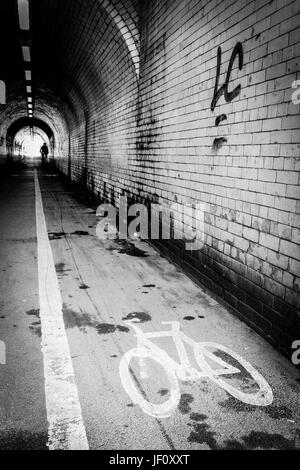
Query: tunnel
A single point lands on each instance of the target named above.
(168, 200)
(83, 71)
(22, 133)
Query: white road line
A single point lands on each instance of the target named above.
(66, 428)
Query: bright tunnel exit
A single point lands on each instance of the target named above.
(31, 146)
(28, 142)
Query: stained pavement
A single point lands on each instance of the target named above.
(104, 284)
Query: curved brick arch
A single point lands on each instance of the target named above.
(125, 16)
(19, 124)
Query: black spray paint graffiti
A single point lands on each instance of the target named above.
(223, 90)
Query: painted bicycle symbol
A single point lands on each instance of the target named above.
(211, 365)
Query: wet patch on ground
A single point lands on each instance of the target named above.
(60, 235)
(83, 320)
(107, 328)
(126, 248)
(81, 233)
(203, 434)
(184, 404)
(84, 287)
(198, 417)
(23, 440)
(36, 329)
(33, 313)
(232, 444)
(80, 320)
(56, 235)
(138, 317)
(265, 440)
(278, 412)
(61, 270)
(232, 404)
(163, 392)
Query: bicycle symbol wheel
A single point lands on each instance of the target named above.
(224, 372)
(264, 395)
(138, 396)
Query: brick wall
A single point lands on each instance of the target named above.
(172, 137)
(102, 125)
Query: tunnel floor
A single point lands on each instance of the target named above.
(129, 391)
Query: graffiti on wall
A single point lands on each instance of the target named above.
(223, 90)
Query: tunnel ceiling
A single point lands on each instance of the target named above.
(11, 68)
(73, 43)
(26, 122)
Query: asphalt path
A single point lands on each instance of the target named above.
(80, 372)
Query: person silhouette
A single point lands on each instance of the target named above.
(44, 152)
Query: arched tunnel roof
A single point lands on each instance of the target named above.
(16, 126)
(82, 53)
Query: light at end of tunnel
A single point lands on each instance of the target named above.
(31, 142)
(26, 53)
(23, 8)
(29, 89)
(28, 75)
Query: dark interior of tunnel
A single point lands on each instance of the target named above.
(69, 50)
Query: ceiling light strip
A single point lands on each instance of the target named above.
(24, 16)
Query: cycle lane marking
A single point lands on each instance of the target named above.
(262, 398)
(66, 430)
